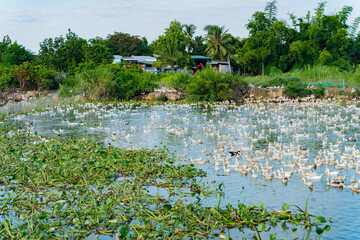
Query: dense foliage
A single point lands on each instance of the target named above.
(316, 48)
(318, 39)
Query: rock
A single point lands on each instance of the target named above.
(55, 97)
(79, 98)
(32, 94)
(173, 96)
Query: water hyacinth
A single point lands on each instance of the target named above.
(76, 188)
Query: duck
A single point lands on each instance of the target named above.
(235, 153)
(353, 180)
(254, 175)
(285, 180)
(226, 170)
(351, 140)
(313, 176)
(334, 183)
(309, 184)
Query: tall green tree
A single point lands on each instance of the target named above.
(268, 42)
(4, 44)
(66, 54)
(189, 30)
(16, 54)
(125, 44)
(200, 47)
(217, 42)
(169, 52)
(97, 52)
(63, 54)
(171, 47)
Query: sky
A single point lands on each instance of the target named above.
(29, 22)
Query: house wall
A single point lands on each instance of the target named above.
(224, 68)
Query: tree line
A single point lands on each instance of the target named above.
(273, 45)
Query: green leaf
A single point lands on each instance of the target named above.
(241, 206)
(321, 219)
(124, 231)
(273, 219)
(319, 230)
(167, 207)
(285, 207)
(261, 227)
(263, 213)
(41, 216)
(272, 236)
(327, 228)
(294, 230)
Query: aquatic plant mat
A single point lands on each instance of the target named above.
(61, 188)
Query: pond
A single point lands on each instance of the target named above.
(300, 139)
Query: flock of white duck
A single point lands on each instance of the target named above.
(315, 141)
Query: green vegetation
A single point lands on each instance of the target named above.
(56, 188)
(316, 48)
(209, 85)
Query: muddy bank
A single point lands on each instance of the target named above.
(276, 94)
(9, 100)
(18, 101)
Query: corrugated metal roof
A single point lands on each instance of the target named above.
(197, 57)
(144, 59)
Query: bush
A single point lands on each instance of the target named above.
(279, 81)
(97, 83)
(162, 98)
(274, 71)
(296, 89)
(209, 85)
(47, 78)
(69, 86)
(116, 81)
(178, 81)
(7, 78)
(319, 91)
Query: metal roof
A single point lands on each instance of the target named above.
(144, 59)
(197, 57)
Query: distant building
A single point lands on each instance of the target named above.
(145, 62)
(221, 66)
(200, 62)
(117, 59)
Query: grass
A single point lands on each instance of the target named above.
(314, 74)
(56, 188)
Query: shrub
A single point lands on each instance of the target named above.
(114, 80)
(97, 83)
(69, 86)
(319, 91)
(162, 98)
(279, 81)
(274, 71)
(209, 85)
(296, 89)
(46, 78)
(7, 78)
(180, 81)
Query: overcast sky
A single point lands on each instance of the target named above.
(31, 21)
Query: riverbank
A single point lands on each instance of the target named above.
(269, 94)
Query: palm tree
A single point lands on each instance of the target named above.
(189, 30)
(218, 42)
(169, 52)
